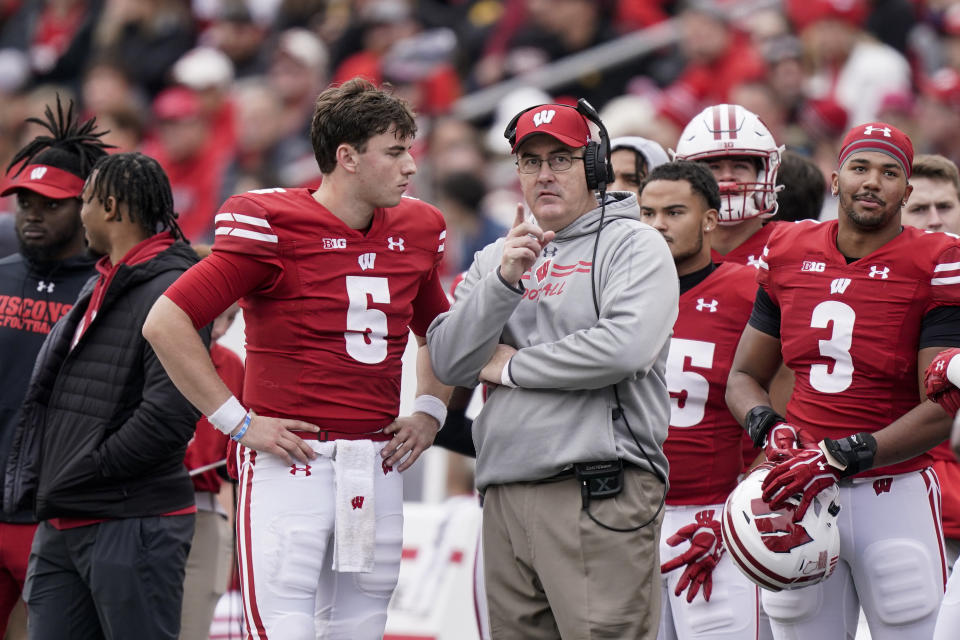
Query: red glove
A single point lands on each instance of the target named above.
(706, 547)
(784, 440)
(806, 474)
(939, 388)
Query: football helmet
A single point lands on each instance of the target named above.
(731, 130)
(770, 548)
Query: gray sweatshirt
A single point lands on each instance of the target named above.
(561, 411)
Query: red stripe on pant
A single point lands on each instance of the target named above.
(933, 483)
(252, 618)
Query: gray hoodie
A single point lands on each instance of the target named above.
(561, 411)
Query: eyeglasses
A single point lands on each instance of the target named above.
(558, 163)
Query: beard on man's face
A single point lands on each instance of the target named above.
(49, 249)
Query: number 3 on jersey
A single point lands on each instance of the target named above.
(688, 389)
(366, 332)
(840, 317)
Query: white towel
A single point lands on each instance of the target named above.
(355, 534)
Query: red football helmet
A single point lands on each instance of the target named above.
(770, 548)
(731, 130)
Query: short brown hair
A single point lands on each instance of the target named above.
(936, 167)
(352, 113)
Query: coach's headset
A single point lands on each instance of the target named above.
(599, 173)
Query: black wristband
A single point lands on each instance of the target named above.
(856, 452)
(758, 423)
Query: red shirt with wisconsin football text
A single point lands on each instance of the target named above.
(703, 443)
(327, 308)
(851, 332)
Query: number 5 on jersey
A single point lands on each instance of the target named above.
(688, 389)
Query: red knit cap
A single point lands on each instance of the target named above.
(880, 137)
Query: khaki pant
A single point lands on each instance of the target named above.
(551, 572)
(207, 574)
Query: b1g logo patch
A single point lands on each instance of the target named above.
(334, 243)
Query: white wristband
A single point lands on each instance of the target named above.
(505, 379)
(228, 416)
(432, 406)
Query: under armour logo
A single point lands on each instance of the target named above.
(703, 304)
(366, 260)
(877, 272)
(543, 117)
(822, 466)
(45, 286)
(357, 502)
(882, 485)
(395, 245)
(940, 365)
(753, 261)
(839, 285)
(305, 469)
(38, 173)
(884, 130)
(550, 251)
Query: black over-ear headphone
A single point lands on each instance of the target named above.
(596, 155)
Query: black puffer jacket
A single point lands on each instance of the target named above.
(103, 429)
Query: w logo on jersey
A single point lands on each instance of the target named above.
(879, 272)
(543, 271)
(709, 306)
(357, 502)
(882, 485)
(543, 117)
(779, 532)
(366, 260)
(395, 245)
(38, 173)
(295, 469)
(839, 285)
(705, 517)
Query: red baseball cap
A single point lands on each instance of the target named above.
(176, 103)
(47, 181)
(803, 13)
(559, 121)
(880, 137)
(943, 87)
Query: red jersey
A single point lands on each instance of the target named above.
(703, 443)
(209, 445)
(327, 308)
(850, 332)
(750, 251)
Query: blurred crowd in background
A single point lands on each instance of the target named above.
(220, 91)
